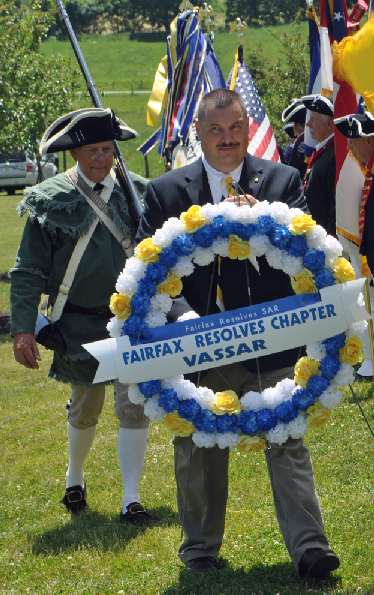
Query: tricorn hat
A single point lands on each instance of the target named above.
(319, 104)
(295, 112)
(356, 125)
(288, 128)
(84, 127)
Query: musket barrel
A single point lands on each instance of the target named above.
(123, 173)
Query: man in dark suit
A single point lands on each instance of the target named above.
(201, 473)
(320, 174)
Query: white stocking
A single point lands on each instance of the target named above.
(132, 444)
(80, 442)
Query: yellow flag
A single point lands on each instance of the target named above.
(156, 100)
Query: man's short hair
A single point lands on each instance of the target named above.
(219, 98)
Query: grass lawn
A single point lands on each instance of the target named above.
(43, 551)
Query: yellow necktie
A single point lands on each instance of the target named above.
(229, 187)
(228, 180)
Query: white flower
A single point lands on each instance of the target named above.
(344, 376)
(205, 397)
(331, 247)
(330, 397)
(162, 302)
(209, 211)
(190, 315)
(259, 244)
(228, 210)
(134, 268)
(227, 439)
(155, 318)
(126, 283)
(272, 397)
(170, 230)
(261, 209)
(184, 267)
(134, 394)
(203, 256)
(316, 351)
(357, 328)
(221, 247)
(316, 236)
(204, 440)
(152, 409)
(281, 213)
(278, 435)
(114, 327)
(292, 265)
(274, 256)
(184, 388)
(246, 215)
(252, 401)
(297, 427)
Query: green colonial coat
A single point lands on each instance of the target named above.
(57, 217)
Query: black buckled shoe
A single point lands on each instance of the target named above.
(75, 500)
(317, 564)
(135, 514)
(203, 564)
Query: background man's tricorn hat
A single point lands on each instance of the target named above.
(295, 112)
(288, 128)
(84, 127)
(319, 104)
(356, 125)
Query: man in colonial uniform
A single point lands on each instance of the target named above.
(293, 117)
(76, 239)
(320, 174)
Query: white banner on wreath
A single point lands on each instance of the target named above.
(232, 336)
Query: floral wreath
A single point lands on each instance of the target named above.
(290, 241)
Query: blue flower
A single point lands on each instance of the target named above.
(221, 227)
(183, 244)
(189, 409)
(302, 399)
(286, 411)
(266, 420)
(265, 224)
(134, 326)
(316, 385)
(149, 388)
(227, 423)
(333, 344)
(146, 287)
(297, 246)
(324, 278)
(280, 236)
(314, 260)
(205, 236)
(168, 258)
(243, 231)
(168, 399)
(155, 272)
(329, 366)
(140, 304)
(205, 421)
(248, 422)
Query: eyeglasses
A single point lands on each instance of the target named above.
(94, 152)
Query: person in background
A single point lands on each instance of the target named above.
(293, 117)
(320, 175)
(68, 253)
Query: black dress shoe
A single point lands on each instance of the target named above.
(317, 564)
(135, 514)
(75, 500)
(203, 564)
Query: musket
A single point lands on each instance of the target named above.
(123, 173)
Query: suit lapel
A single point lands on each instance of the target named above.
(252, 177)
(197, 186)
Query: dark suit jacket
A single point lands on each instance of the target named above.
(320, 190)
(367, 244)
(175, 191)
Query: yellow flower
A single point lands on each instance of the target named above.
(120, 305)
(171, 286)
(353, 351)
(301, 224)
(238, 248)
(251, 444)
(343, 270)
(303, 282)
(305, 368)
(318, 415)
(177, 425)
(193, 218)
(226, 402)
(147, 250)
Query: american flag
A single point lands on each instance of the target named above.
(261, 138)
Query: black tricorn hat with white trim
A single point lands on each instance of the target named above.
(84, 127)
(319, 104)
(288, 128)
(295, 112)
(356, 125)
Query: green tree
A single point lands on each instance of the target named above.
(34, 89)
